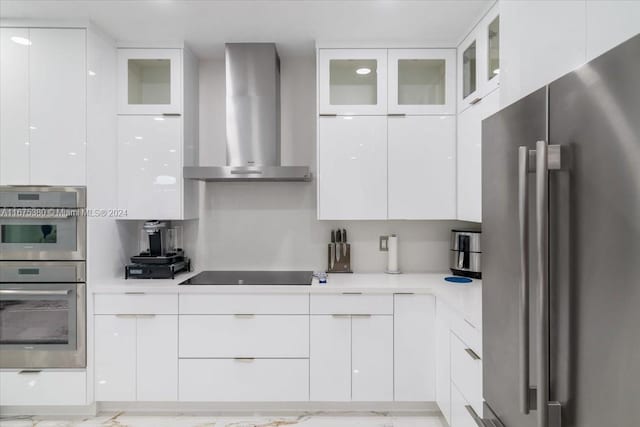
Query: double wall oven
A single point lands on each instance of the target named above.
(42, 277)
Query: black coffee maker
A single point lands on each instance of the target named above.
(161, 254)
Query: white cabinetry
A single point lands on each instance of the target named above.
(375, 149)
(43, 106)
(541, 41)
(352, 81)
(14, 107)
(414, 345)
(351, 354)
(330, 362)
(251, 347)
(422, 81)
(479, 61)
(150, 164)
(470, 156)
(43, 388)
(136, 355)
(609, 23)
(459, 367)
(157, 132)
(422, 155)
(372, 358)
(352, 165)
(150, 81)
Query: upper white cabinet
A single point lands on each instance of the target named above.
(157, 132)
(479, 61)
(352, 81)
(470, 156)
(150, 81)
(422, 81)
(422, 167)
(352, 160)
(14, 106)
(57, 106)
(150, 163)
(394, 128)
(541, 41)
(43, 106)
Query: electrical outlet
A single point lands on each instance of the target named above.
(384, 243)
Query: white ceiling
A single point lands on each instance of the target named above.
(293, 24)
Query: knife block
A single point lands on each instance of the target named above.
(343, 265)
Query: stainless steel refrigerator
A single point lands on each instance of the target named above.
(561, 251)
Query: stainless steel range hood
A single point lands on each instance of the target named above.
(253, 119)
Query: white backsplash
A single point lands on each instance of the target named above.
(273, 225)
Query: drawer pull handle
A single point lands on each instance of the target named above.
(244, 316)
(341, 316)
(352, 293)
(396, 115)
(472, 354)
(127, 316)
(171, 114)
(469, 323)
(146, 316)
(134, 293)
(328, 115)
(29, 371)
(479, 421)
(361, 315)
(404, 293)
(475, 101)
(244, 359)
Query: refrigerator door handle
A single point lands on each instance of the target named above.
(523, 216)
(549, 413)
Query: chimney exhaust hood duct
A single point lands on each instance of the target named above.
(253, 119)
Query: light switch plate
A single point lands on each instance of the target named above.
(384, 243)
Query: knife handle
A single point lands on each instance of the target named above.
(344, 235)
(333, 236)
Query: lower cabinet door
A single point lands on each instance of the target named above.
(372, 358)
(157, 358)
(248, 380)
(43, 388)
(330, 363)
(460, 415)
(115, 358)
(443, 359)
(414, 349)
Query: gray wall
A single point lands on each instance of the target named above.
(274, 225)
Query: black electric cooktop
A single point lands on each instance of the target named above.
(251, 278)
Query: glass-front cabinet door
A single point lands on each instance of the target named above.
(421, 81)
(149, 81)
(469, 71)
(492, 35)
(352, 81)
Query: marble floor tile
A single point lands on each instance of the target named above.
(303, 420)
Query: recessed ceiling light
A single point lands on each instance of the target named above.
(92, 73)
(21, 40)
(72, 153)
(138, 137)
(363, 71)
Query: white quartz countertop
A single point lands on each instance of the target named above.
(464, 298)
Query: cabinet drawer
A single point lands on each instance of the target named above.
(244, 304)
(244, 336)
(43, 388)
(468, 333)
(460, 415)
(136, 303)
(466, 372)
(352, 303)
(232, 380)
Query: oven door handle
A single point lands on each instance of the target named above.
(33, 292)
